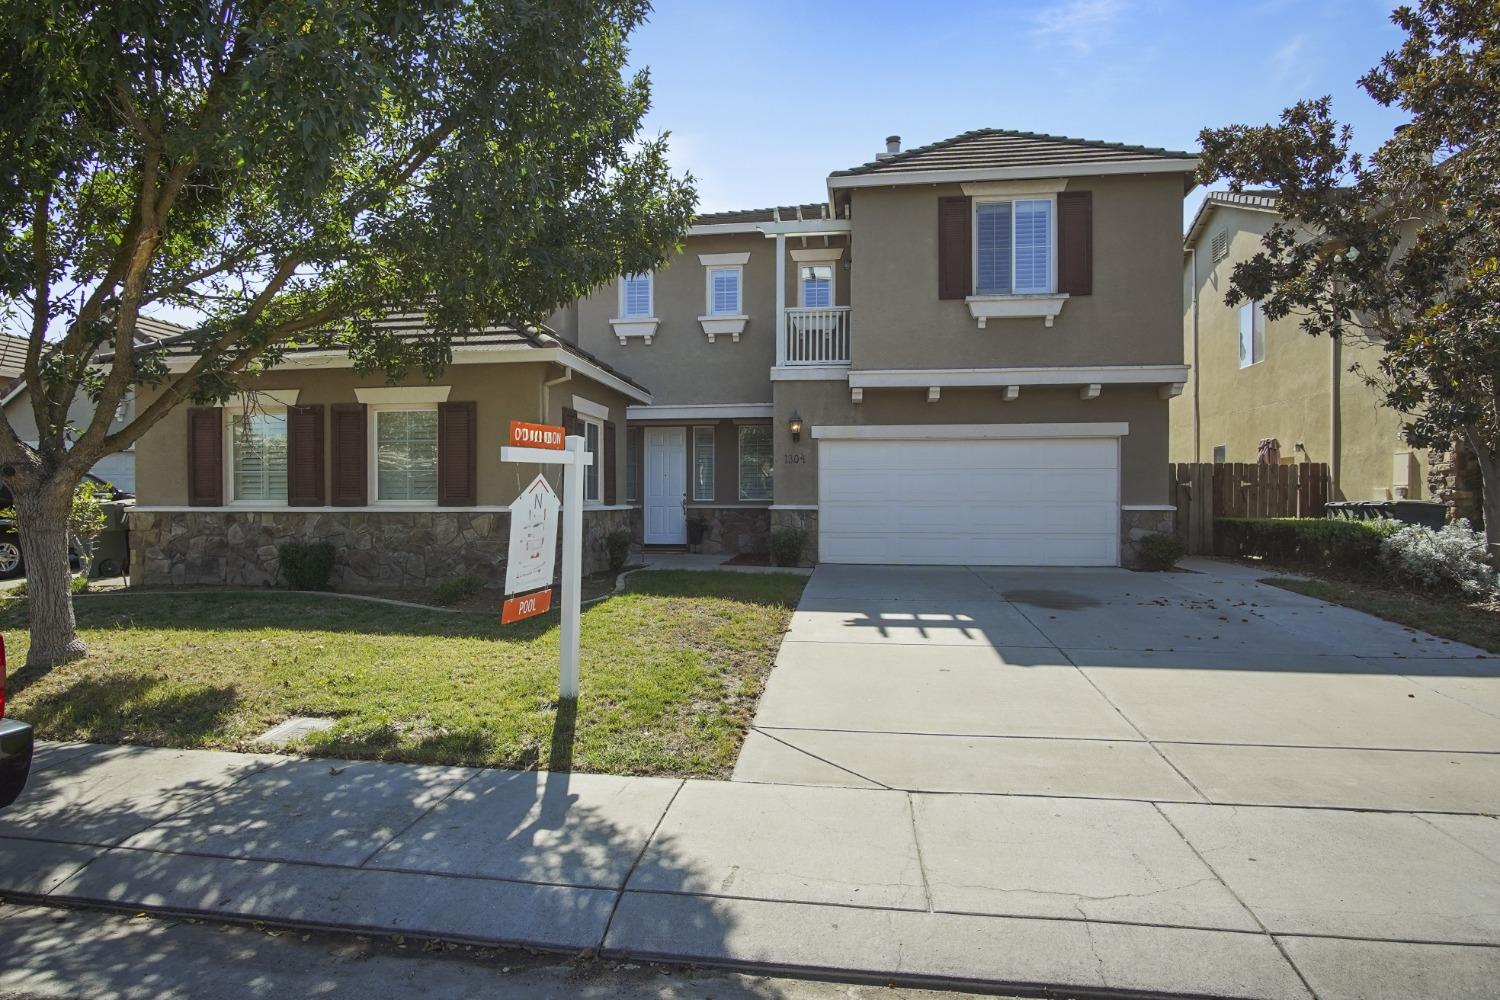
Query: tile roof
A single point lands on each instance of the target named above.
(810, 210)
(1260, 199)
(998, 148)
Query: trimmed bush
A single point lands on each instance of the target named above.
(617, 543)
(1159, 551)
(1319, 543)
(306, 565)
(1451, 558)
(460, 588)
(787, 546)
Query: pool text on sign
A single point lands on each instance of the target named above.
(526, 606)
(524, 435)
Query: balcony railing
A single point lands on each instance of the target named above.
(817, 336)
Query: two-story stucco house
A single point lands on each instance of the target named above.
(1264, 390)
(965, 355)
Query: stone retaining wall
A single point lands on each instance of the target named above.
(373, 550)
(1137, 524)
(807, 520)
(734, 530)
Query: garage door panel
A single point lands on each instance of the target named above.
(982, 502)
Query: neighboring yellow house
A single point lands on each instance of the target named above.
(1254, 382)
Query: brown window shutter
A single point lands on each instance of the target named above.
(205, 456)
(955, 248)
(1075, 242)
(351, 456)
(610, 496)
(304, 447)
(570, 421)
(458, 454)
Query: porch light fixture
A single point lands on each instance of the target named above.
(795, 426)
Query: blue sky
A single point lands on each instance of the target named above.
(763, 99)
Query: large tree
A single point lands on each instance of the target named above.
(288, 171)
(1403, 245)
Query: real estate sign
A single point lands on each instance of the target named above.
(532, 554)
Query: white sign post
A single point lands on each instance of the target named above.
(574, 458)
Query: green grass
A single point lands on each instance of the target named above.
(671, 673)
(1447, 616)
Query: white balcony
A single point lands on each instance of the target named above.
(815, 337)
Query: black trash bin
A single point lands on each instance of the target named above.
(1428, 513)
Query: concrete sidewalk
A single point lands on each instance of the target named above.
(1002, 890)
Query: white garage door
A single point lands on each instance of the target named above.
(1043, 502)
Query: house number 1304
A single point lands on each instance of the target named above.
(792, 458)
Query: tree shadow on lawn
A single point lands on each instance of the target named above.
(147, 710)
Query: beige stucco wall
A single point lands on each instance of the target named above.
(1143, 452)
(1286, 396)
(503, 392)
(1132, 317)
(680, 366)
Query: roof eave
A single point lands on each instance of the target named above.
(877, 178)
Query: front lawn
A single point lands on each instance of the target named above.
(671, 673)
(1450, 617)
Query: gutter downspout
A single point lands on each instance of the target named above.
(1196, 369)
(547, 384)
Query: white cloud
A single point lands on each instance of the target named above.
(1289, 64)
(1079, 24)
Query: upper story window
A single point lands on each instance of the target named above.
(1252, 334)
(815, 282)
(724, 291)
(1013, 241)
(636, 296)
(257, 450)
(405, 468)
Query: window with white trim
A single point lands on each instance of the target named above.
(1013, 246)
(593, 438)
(815, 284)
(755, 465)
(633, 465)
(703, 463)
(1252, 334)
(405, 464)
(724, 291)
(635, 296)
(257, 457)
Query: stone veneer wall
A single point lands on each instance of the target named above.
(734, 530)
(1453, 477)
(1137, 524)
(374, 550)
(807, 520)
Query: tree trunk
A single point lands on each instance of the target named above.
(42, 523)
(1489, 475)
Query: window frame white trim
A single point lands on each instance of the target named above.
(650, 313)
(595, 468)
(583, 404)
(738, 312)
(713, 463)
(833, 283)
(389, 395)
(1051, 291)
(230, 501)
(1255, 312)
(739, 462)
(372, 457)
(634, 467)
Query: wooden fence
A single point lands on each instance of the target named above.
(1203, 491)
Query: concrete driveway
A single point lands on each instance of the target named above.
(1200, 686)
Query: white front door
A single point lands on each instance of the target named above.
(666, 485)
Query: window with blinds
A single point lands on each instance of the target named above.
(724, 291)
(635, 296)
(1013, 247)
(817, 286)
(633, 464)
(593, 433)
(755, 462)
(703, 463)
(406, 456)
(258, 453)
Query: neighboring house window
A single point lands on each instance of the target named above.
(593, 475)
(635, 296)
(1252, 334)
(755, 462)
(632, 465)
(816, 282)
(703, 463)
(1221, 454)
(724, 291)
(1013, 247)
(257, 446)
(406, 454)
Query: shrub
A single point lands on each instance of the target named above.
(460, 588)
(787, 546)
(1159, 551)
(306, 565)
(1349, 546)
(1451, 558)
(79, 583)
(617, 543)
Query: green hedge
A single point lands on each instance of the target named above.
(1314, 542)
